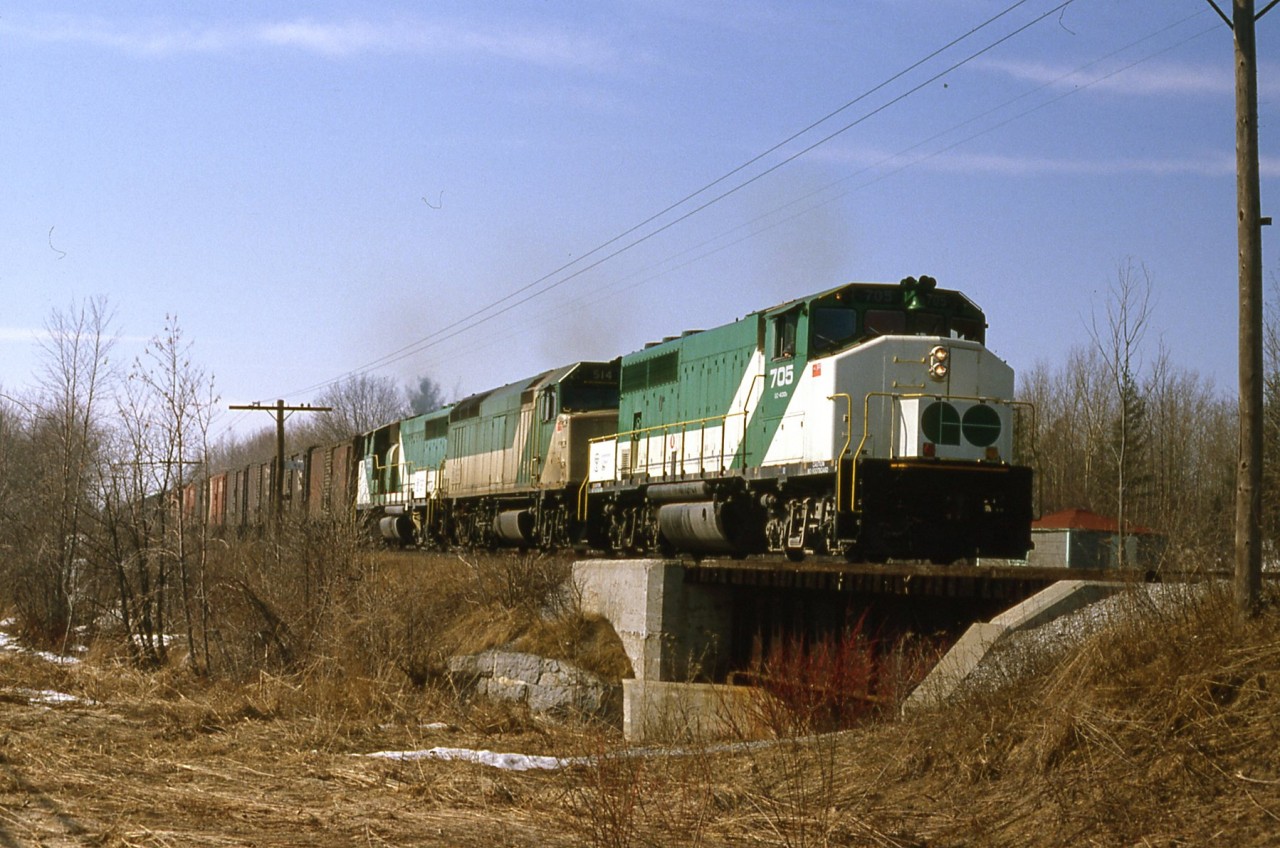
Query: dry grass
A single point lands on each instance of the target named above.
(1161, 728)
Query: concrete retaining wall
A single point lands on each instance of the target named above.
(954, 669)
(658, 712)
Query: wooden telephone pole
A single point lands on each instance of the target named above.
(277, 468)
(1248, 573)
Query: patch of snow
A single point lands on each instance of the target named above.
(433, 726)
(529, 762)
(8, 643)
(47, 696)
(506, 762)
(56, 659)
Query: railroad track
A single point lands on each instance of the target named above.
(833, 573)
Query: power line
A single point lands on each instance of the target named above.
(474, 319)
(599, 294)
(459, 327)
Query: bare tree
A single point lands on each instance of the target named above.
(184, 400)
(1120, 343)
(65, 445)
(153, 528)
(1187, 482)
(360, 403)
(1271, 423)
(12, 431)
(1073, 410)
(1190, 475)
(134, 522)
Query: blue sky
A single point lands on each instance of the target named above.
(310, 187)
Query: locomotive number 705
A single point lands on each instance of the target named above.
(783, 375)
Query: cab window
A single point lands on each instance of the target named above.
(963, 329)
(928, 324)
(831, 328)
(784, 335)
(885, 322)
(547, 404)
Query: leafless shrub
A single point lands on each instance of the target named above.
(519, 581)
(617, 796)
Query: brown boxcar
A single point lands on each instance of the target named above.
(217, 514)
(329, 480)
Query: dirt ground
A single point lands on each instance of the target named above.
(1160, 731)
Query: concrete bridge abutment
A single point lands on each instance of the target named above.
(676, 634)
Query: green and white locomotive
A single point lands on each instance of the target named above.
(868, 421)
(400, 476)
(499, 468)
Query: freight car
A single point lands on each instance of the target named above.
(318, 483)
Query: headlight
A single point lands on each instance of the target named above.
(939, 370)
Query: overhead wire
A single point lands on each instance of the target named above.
(465, 324)
(479, 316)
(599, 294)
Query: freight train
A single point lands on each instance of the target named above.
(868, 421)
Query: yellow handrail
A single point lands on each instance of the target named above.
(683, 427)
(582, 497)
(848, 438)
(897, 398)
(406, 473)
(841, 504)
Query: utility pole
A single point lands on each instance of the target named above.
(1248, 574)
(277, 468)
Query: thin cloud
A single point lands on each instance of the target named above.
(20, 334)
(527, 44)
(138, 38)
(1213, 165)
(1206, 165)
(536, 46)
(40, 334)
(1149, 79)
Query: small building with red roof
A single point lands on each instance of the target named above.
(1078, 538)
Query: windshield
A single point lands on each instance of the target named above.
(832, 328)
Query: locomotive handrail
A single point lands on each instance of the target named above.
(407, 469)
(669, 428)
(582, 497)
(848, 439)
(402, 464)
